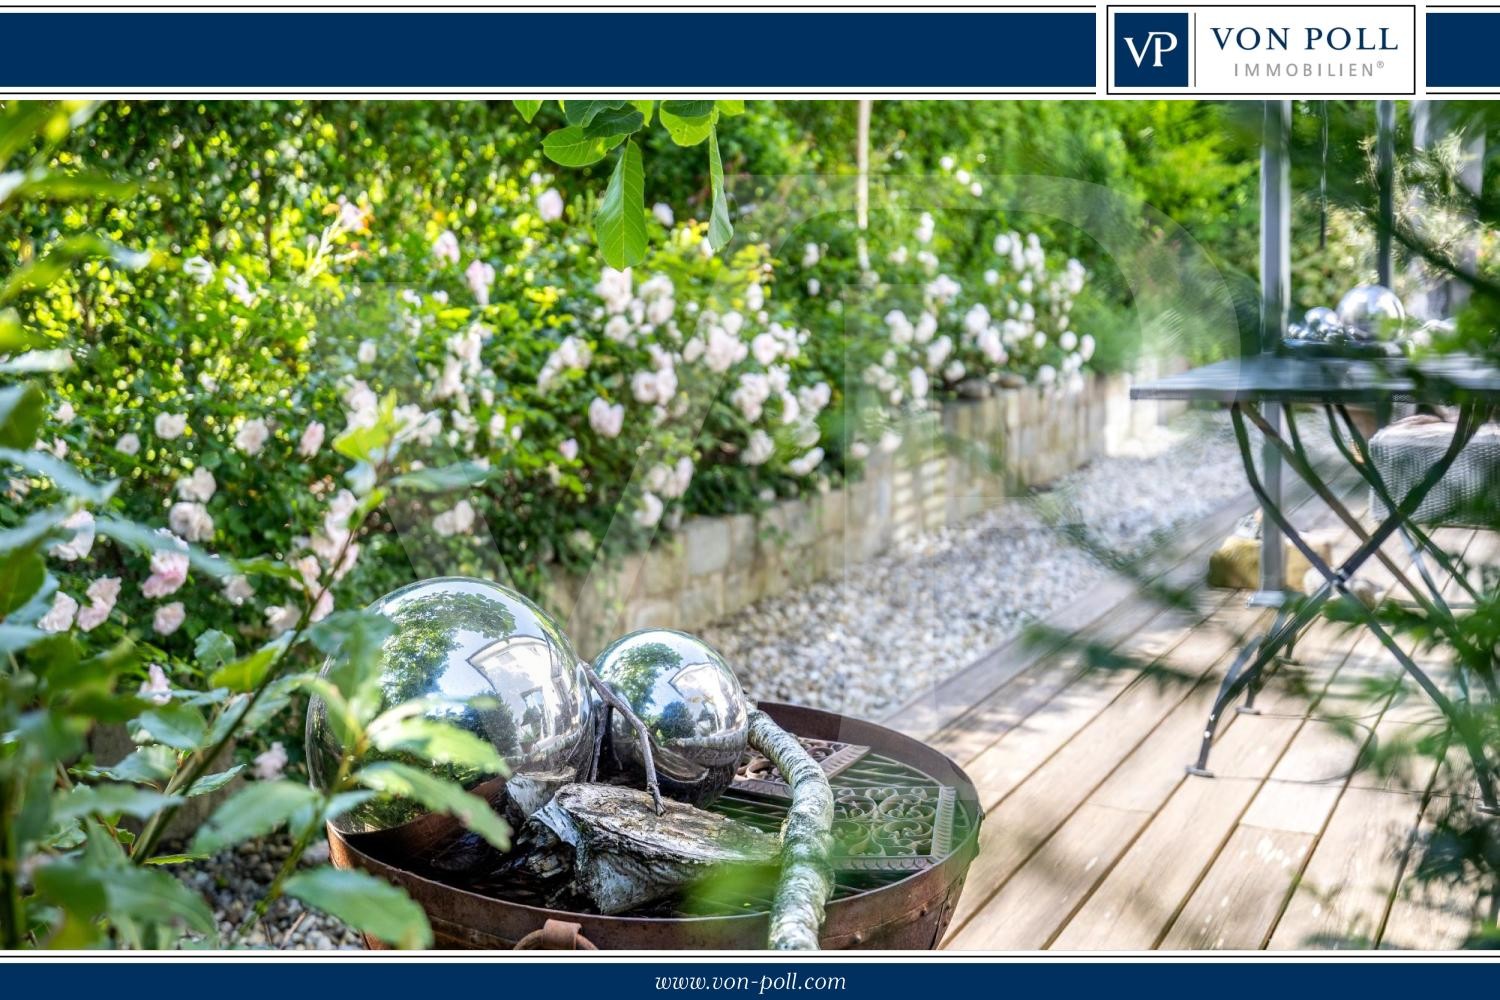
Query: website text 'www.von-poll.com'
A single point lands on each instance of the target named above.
(760, 985)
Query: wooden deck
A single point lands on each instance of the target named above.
(1095, 838)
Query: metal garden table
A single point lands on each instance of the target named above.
(1333, 384)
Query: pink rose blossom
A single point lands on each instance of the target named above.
(270, 765)
(169, 571)
(312, 439)
(168, 618)
(480, 277)
(157, 690)
(59, 618)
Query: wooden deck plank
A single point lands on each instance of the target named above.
(1428, 916)
(1055, 880)
(1341, 899)
(1263, 861)
(1243, 892)
(1138, 896)
(1046, 801)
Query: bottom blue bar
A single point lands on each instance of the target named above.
(589, 977)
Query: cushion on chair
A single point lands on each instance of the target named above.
(1469, 495)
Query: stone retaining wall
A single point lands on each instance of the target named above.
(952, 464)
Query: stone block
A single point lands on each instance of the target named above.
(701, 601)
(742, 541)
(663, 569)
(706, 544)
(652, 613)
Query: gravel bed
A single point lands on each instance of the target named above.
(867, 641)
(233, 880)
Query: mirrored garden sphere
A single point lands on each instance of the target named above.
(1372, 311)
(691, 703)
(489, 661)
(1320, 318)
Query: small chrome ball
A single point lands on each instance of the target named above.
(485, 659)
(692, 705)
(1320, 318)
(1372, 311)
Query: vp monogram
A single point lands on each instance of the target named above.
(1157, 44)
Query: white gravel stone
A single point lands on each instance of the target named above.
(868, 640)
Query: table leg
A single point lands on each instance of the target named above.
(1338, 580)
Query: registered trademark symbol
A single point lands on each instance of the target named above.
(1380, 64)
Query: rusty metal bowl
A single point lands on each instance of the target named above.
(909, 912)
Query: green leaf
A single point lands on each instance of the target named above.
(212, 649)
(620, 121)
(720, 231)
(53, 264)
(21, 411)
(403, 730)
(212, 782)
(17, 638)
(66, 478)
(444, 478)
(37, 362)
(345, 802)
(688, 109)
(730, 108)
(253, 811)
(156, 897)
(109, 800)
(620, 226)
(151, 765)
(688, 122)
(438, 795)
(646, 108)
(246, 673)
(528, 109)
(352, 640)
(175, 725)
(22, 574)
(365, 903)
(15, 338)
(569, 147)
(265, 566)
(39, 184)
(584, 112)
(37, 527)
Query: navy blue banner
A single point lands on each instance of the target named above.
(596, 976)
(964, 51)
(1461, 50)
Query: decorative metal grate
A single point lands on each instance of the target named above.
(758, 776)
(890, 819)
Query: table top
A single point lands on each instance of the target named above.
(1277, 378)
